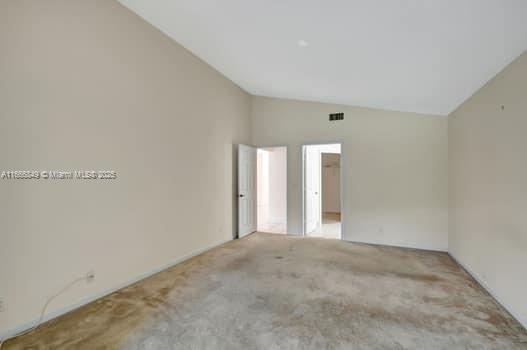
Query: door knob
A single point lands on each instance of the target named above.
(241, 195)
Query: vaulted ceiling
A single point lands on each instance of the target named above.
(423, 56)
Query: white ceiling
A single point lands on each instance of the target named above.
(423, 56)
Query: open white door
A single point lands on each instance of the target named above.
(312, 169)
(246, 190)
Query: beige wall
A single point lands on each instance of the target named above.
(488, 186)
(88, 85)
(395, 167)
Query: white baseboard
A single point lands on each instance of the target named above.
(492, 292)
(23, 327)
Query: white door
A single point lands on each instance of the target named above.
(312, 175)
(246, 190)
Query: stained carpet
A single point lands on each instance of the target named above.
(280, 292)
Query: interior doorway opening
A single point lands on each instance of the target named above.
(272, 189)
(322, 190)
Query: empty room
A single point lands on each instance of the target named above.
(198, 174)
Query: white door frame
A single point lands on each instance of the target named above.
(343, 178)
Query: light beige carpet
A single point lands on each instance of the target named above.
(280, 292)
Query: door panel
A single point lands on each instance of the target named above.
(246, 190)
(312, 176)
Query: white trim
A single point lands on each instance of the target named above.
(54, 314)
(492, 292)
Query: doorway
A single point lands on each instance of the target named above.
(271, 196)
(322, 190)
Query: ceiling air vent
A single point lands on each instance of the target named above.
(336, 116)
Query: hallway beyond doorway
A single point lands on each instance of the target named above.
(331, 226)
(272, 189)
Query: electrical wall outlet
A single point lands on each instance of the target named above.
(2, 304)
(90, 276)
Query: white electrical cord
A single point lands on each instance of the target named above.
(43, 312)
